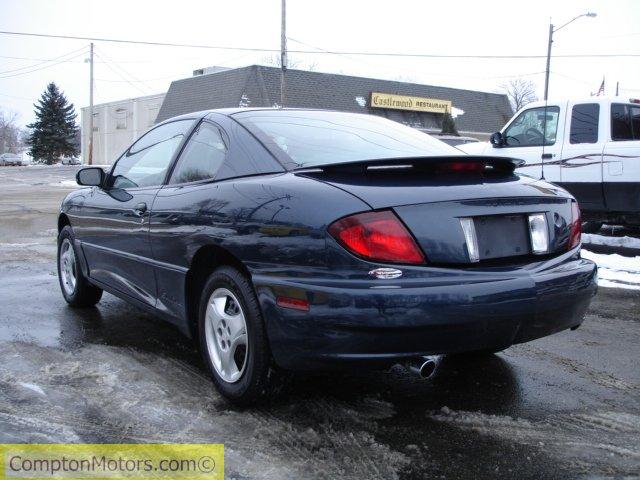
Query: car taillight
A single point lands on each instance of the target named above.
(377, 236)
(460, 167)
(575, 229)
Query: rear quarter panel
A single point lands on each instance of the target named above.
(274, 224)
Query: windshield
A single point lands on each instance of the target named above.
(312, 138)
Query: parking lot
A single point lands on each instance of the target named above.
(567, 406)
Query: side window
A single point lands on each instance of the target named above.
(533, 127)
(620, 123)
(635, 122)
(146, 162)
(202, 157)
(584, 123)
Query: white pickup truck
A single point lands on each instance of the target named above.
(590, 147)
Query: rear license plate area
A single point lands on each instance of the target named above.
(502, 236)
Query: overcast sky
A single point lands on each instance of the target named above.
(408, 26)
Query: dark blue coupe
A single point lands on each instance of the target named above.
(299, 240)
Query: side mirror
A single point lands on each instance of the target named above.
(497, 140)
(90, 177)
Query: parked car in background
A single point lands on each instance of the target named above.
(70, 161)
(590, 147)
(7, 159)
(306, 240)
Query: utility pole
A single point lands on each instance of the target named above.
(551, 32)
(617, 88)
(546, 77)
(90, 156)
(283, 52)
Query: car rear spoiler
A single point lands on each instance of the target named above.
(448, 164)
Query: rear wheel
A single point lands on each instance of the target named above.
(233, 339)
(76, 289)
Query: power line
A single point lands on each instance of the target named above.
(125, 72)
(41, 68)
(43, 62)
(109, 80)
(322, 52)
(30, 58)
(121, 76)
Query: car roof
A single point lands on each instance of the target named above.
(234, 110)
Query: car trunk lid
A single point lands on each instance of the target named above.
(434, 198)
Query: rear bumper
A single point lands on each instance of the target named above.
(378, 323)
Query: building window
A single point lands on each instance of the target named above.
(121, 118)
(152, 114)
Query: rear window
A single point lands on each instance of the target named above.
(625, 122)
(313, 138)
(584, 123)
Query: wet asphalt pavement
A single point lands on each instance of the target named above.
(567, 406)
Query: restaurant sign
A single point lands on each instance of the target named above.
(406, 102)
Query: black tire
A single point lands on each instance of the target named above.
(591, 227)
(82, 294)
(260, 379)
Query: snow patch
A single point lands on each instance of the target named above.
(65, 184)
(615, 270)
(558, 434)
(456, 112)
(33, 387)
(626, 242)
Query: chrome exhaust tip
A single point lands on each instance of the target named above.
(424, 367)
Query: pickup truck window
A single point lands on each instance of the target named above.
(625, 122)
(533, 127)
(584, 123)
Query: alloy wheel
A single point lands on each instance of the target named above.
(68, 269)
(226, 335)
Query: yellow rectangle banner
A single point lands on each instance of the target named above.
(112, 461)
(406, 102)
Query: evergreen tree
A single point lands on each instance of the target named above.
(448, 125)
(54, 131)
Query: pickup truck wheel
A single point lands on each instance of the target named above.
(233, 340)
(76, 289)
(591, 227)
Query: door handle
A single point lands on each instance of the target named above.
(140, 209)
(546, 156)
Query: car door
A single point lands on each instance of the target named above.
(581, 162)
(534, 137)
(199, 204)
(621, 160)
(113, 223)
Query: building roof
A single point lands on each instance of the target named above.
(259, 86)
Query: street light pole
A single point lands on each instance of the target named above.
(546, 77)
(551, 32)
(90, 156)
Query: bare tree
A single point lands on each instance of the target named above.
(11, 138)
(275, 61)
(520, 93)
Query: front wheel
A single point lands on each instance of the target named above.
(76, 290)
(233, 339)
